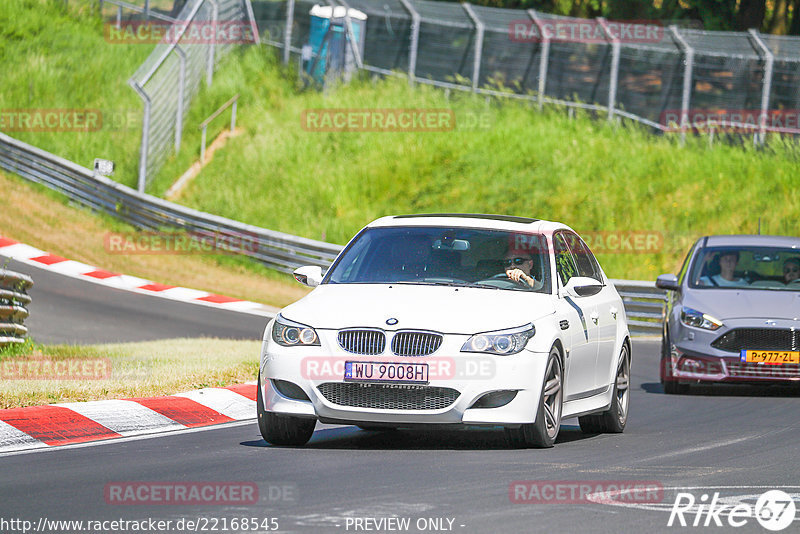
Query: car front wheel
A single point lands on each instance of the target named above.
(542, 433)
(282, 429)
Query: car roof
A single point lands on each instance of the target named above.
(469, 220)
(751, 240)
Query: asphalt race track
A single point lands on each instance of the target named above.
(69, 310)
(738, 441)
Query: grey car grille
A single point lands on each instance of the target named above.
(388, 396)
(758, 338)
(416, 343)
(754, 370)
(362, 341)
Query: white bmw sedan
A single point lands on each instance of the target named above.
(471, 320)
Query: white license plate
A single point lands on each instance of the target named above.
(406, 373)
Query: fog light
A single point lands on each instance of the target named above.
(495, 399)
(290, 390)
(697, 366)
(691, 366)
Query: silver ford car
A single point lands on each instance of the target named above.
(733, 313)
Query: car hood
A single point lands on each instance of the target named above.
(745, 303)
(442, 309)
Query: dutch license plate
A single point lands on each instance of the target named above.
(772, 357)
(408, 373)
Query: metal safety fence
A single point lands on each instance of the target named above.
(644, 305)
(276, 250)
(669, 78)
(279, 251)
(14, 300)
(664, 76)
(187, 49)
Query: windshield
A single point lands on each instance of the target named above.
(445, 256)
(770, 268)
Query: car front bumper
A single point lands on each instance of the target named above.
(691, 366)
(465, 377)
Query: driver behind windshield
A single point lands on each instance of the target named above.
(791, 270)
(726, 262)
(518, 264)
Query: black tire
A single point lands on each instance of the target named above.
(613, 420)
(282, 429)
(543, 432)
(671, 386)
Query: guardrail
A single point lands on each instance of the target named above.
(644, 303)
(283, 252)
(14, 299)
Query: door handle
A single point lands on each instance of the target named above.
(595, 316)
(614, 312)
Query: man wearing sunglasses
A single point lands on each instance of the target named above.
(518, 265)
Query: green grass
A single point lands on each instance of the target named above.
(587, 173)
(31, 375)
(55, 56)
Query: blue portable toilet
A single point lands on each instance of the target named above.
(331, 51)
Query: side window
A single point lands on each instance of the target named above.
(584, 259)
(565, 263)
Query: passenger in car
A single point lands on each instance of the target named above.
(791, 270)
(726, 262)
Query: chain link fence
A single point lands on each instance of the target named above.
(191, 37)
(664, 76)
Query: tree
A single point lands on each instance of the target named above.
(751, 14)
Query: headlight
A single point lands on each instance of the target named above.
(502, 342)
(699, 319)
(287, 333)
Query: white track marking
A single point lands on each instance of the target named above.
(71, 267)
(21, 251)
(224, 401)
(184, 293)
(135, 438)
(13, 439)
(127, 418)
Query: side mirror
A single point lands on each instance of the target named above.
(668, 281)
(583, 286)
(310, 275)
